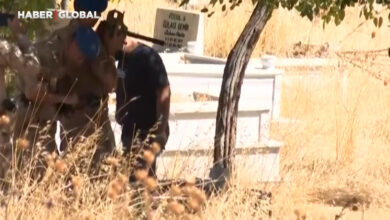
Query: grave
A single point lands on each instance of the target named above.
(189, 150)
(192, 123)
(262, 87)
(190, 146)
(179, 28)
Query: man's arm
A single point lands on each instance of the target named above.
(163, 108)
(104, 69)
(120, 90)
(39, 94)
(120, 101)
(33, 90)
(163, 91)
(22, 40)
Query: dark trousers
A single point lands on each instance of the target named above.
(130, 147)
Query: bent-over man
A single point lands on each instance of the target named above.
(143, 97)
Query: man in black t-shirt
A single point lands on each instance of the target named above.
(142, 95)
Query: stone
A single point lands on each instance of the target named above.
(177, 28)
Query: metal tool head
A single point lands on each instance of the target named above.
(115, 19)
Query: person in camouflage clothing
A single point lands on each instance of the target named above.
(93, 86)
(38, 67)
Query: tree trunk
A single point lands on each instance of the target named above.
(226, 122)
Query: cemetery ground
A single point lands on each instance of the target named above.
(335, 156)
(334, 163)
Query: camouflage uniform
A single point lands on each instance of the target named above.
(48, 51)
(65, 33)
(5, 146)
(26, 65)
(52, 68)
(92, 114)
(24, 62)
(3, 93)
(49, 54)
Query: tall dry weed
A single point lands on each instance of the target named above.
(336, 143)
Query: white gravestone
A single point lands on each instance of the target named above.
(177, 28)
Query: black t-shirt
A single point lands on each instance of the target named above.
(144, 73)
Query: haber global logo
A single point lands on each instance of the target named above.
(57, 14)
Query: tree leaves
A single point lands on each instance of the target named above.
(210, 14)
(378, 21)
(204, 10)
(328, 10)
(213, 2)
(342, 15)
(225, 6)
(306, 9)
(34, 27)
(366, 13)
(388, 17)
(183, 2)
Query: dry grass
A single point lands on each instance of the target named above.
(336, 148)
(279, 35)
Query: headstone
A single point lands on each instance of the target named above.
(177, 28)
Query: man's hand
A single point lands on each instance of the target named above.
(71, 99)
(162, 108)
(105, 70)
(8, 105)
